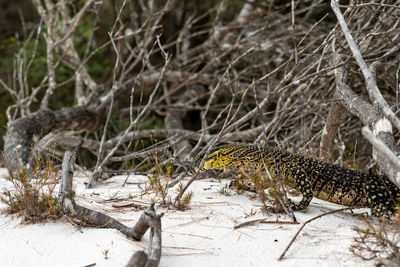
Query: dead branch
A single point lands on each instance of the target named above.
(264, 220)
(139, 258)
(382, 148)
(369, 115)
(370, 81)
(69, 207)
(59, 40)
(91, 217)
(100, 165)
(328, 133)
(304, 224)
(20, 132)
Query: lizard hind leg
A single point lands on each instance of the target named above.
(379, 199)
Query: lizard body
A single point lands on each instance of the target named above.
(310, 176)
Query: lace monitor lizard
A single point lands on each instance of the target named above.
(310, 176)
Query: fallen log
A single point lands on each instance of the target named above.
(148, 218)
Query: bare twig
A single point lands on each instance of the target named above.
(265, 220)
(99, 167)
(373, 90)
(304, 224)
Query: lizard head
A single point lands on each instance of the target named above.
(200, 165)
(219, 158)
(195, 166)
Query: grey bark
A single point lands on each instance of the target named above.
(148, 218)
(139, 258)
(17, 141)
(372, 88)
(369, 115)
(328, 134)
(68, 206)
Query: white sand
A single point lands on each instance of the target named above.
(200, 236)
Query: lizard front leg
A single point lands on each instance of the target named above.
(296, 175)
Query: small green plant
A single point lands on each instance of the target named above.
(159, 184)
(184, 201)
(225, 190)
(251, 213)
(32, 194)
(160, 188)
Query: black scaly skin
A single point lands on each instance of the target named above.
(310, 176)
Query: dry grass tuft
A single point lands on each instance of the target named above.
(268, 191)
(159, 184)
(32, 195)
(379, 242)
(183, 202)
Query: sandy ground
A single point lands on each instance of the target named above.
(200, 236)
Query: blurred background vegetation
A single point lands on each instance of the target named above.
(19, 20)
